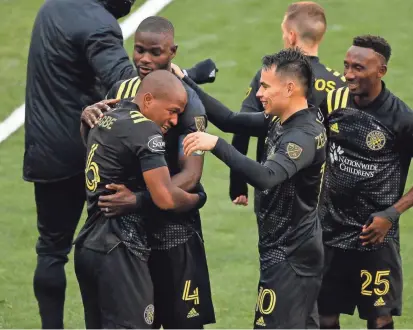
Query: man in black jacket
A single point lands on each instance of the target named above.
(76, 54)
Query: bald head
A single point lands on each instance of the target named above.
(161, 84)
(308, 20)
(161, 97)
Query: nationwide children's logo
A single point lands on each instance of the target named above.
(351, 166)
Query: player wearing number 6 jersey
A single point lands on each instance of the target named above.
(127, 147)
(370, 146)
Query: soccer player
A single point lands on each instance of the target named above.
(304, 26)
(111, 255)
(287, 185)
(370, 143)
(177, 262)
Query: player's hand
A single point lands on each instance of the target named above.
(376, 231)
(94, 112)
(199, 141)
(177, 71)
(123, 201)
(241, 200)
(203, 72)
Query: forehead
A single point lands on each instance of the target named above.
(153, 39)
(269, 75)
(361, 55)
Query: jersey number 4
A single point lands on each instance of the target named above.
(187, 296)
(92, 170)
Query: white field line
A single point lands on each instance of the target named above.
(151, 7)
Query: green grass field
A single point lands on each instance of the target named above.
(236, 34)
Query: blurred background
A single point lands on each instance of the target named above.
(235, 34)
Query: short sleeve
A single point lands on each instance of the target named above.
(146, 141)
(296, 151)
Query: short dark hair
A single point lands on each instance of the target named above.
(378, 44)
(156, 24)
(292, 61)
(309, 18)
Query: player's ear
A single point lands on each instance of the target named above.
(174, 49)
(147, 100)
(382, 71)
(292, 38)
(289, 88)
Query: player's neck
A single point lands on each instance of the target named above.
(364, 100)
(294, 107)
(308, 50)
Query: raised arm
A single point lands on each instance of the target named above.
(280, 166)
(253, 124)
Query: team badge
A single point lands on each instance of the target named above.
(375, 140)
(149, 314)
(200, 123)
(293, 150)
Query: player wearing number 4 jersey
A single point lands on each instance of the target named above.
(370, 146)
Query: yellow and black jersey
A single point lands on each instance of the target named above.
(326, 80)
(124, 89)
(123, 146)
(369, 152)
(171, 229)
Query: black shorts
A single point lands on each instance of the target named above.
(372, 281)
(116, 289)
(285, 299)
(181, 285)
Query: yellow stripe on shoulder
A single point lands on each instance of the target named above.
(120, 89)
(137, 117)
(337, 98)
(129, 89)
(135, 87)
(345, 97)
(330, 101)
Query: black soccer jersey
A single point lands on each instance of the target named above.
(286, 214)
(369, 153)
(169, 229)
(326, 80)
(120, 148)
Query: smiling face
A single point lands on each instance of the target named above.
(273, 92)
(153, 51)
(363, 70)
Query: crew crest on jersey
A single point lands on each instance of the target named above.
(360, 146)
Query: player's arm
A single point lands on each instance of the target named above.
(253, 124)
(237, 186)
(296, 151)
(192, 120)
(106, 55)
(163, 192)
(379, 223)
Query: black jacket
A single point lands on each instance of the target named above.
(76, 55)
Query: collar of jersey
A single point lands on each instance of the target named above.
(299, 115)
(376, 102)
(127, 104)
